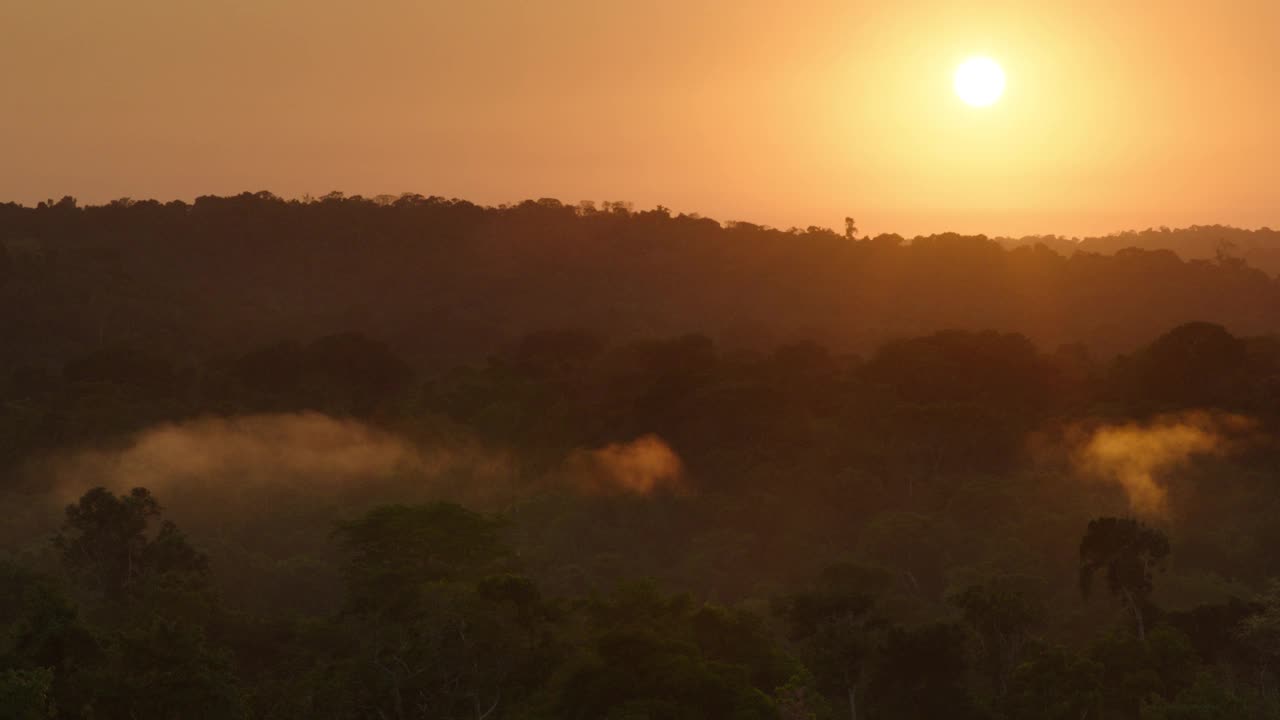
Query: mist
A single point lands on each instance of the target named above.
(207, 466)
(640, 467)
(1142, 458)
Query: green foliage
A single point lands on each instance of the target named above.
(460, 652)
(1000, 372)
(24, 694)
(833, 631)
(650, 655)
(146, 656)
(944, 460)
(921, 673)
(1207, 699)
(637, 673)
(426, 631)
(41, 631)
(1128, 554)
(105, 546)
(797, 700)
(397, 550)
(1003, 613)
(1054, 684)
(164, 670)
(1135, 672)
(1195, 365)
(1261, 630)
(38, 624)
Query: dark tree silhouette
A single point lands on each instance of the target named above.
(1127, 553)
(106, 546)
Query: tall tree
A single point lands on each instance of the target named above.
(831, 624)
(398, 550)
(1127, 553)
(1002, 615)
(106, 545)
(1054, 683)
(431, 632)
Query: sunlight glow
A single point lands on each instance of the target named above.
(979, 81)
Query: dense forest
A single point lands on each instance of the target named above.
(448, 282)
(1259, 248)
(417, 458)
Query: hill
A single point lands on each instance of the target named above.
(448, 281)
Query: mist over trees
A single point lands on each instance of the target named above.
(416, 458)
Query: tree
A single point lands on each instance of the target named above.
(1054, 684)
(44, 646)
(1003, 616)
(165, 670)
(920, 675)
(352, 373)
(640, 674)
(648, 654)
(1136, 672)
(24, 694)
(1003, 372)
(105, 545)
(831, 625)
(6, 265)
(460, 650)
(397, 550)
(1128, 553)
(1207, 699)
(430, 630)
(1260, 632)
(1195, 365)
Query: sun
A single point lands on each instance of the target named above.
(979, 81)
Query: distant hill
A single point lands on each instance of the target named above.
(1259, 248)
(447, 281)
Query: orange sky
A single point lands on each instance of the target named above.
(1118, 114)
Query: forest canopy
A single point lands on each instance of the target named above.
(448, 281)
(407, 457)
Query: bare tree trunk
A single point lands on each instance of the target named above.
(1137, 616)
(485, 714)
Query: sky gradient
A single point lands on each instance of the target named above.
(1117, 114)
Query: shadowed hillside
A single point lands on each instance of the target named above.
(1259, 248)
(446, 281)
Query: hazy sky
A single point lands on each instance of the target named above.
(1118, 114)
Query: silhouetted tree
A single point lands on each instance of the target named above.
(1003, 616)
(831, 625)
(921, 674)
(1196, 365)
(1054, 684)
(397, 550)
(1127, 553)
(106, 545)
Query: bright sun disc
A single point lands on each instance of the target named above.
(979, 81)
